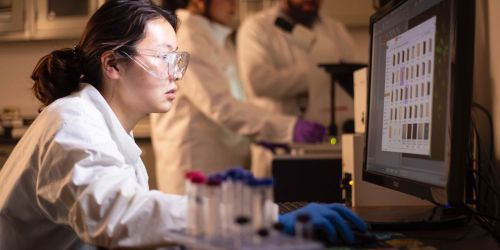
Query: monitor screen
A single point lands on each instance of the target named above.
(419, 99)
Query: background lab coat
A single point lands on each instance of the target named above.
(278, 73)
(76, 178)
(207, 127)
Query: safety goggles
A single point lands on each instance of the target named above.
(162, 65)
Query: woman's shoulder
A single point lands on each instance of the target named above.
(72, 117)
(68, 108)
(71, 110)
(62, 115)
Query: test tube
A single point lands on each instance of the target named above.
(231, 204)
(194, 189)
(262, 203)
(227, 206)
(242, 223)
(303, 227)
(261, 235)
(213, 227)
(246, 196)
(278, 227)
(237, 196)
(270, 215)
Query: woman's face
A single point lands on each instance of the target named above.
(223, 11)
(142, 91)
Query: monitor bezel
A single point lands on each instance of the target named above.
(462, 64)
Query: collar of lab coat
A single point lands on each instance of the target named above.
(218, 31)
(125, 141)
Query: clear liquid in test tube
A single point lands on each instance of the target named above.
(194, 191)
(213, 198)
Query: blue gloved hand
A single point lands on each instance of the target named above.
(308, 131)
(331, 218)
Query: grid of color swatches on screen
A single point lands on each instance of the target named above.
(408, 90)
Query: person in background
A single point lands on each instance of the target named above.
(210, 127)
(278, 52)
(76, 180)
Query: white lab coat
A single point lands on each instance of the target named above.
(278, 73)
(208, 129)
(76, 179)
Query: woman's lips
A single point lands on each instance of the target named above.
(171, 95)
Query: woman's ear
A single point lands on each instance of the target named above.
(109, 65)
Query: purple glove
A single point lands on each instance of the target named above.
(307, 131)
(274, 146)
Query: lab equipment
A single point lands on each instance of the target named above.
(273, 241)
(420, 91)
(341, 73)
(238, 213)
(306, 178)
(360, 193)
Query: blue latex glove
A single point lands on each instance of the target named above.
(331, 218)
(307, 131)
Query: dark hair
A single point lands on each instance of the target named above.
(173, 5)
(116, 23)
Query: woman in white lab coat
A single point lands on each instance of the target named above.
(210, 126)
(76, 180)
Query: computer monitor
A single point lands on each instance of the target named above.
(420, 91)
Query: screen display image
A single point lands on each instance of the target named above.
(407, 108)
(414, 131)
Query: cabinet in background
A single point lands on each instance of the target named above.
(5, 149)
(44, 19)
(12, 17)
(61, 18)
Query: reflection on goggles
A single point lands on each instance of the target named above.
(163, 65)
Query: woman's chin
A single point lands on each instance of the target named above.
(163, 108)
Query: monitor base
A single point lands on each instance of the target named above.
(403, 218)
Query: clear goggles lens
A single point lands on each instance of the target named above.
(162, 65)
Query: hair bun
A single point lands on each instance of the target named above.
(57, 75)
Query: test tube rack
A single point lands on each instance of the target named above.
(274, 241)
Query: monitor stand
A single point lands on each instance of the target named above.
(404, 218)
